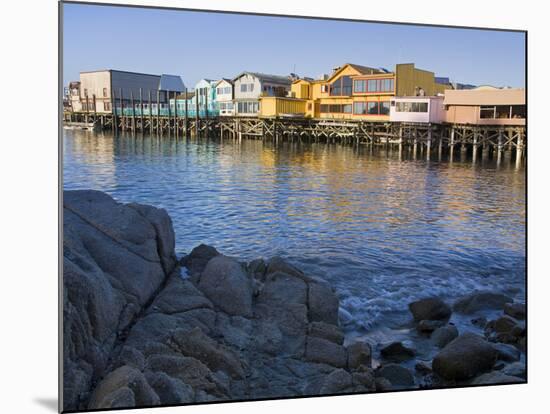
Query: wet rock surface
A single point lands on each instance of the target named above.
(137, 332)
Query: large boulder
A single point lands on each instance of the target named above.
(116, 257)
(326, 331)
(225, 283)
(430, 309)
(337, 381)
(322, 303)
(359, 354)
(396, 374)
(442, 336)
(464, 357)
(481, 300)
(196, 261)
(326, 352)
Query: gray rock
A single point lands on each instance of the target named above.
(496, 377)
(365, 378)
(359, 354)
(326, 352)
(337, 381)
(268, 338)
(225, 283)
(194, 343)
(515, 369)
(326, 331)
(322, 304)
(515, 310)
(257, 268)
(464, 357)
(196, 261)
(507, 353)
(396, 374)
(108, 390)
(382, 384)
(281, 289)
(278, 264)
(430, 309)
(480, 301)
(170, 390)
(442, 336)
(428, 326)
(423, 367)
(397, 352)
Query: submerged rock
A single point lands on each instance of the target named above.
(397, 352)
(516, 310)
(480, 301)
(396, 375)
(430, 309)
(444, 335)
(464, 357)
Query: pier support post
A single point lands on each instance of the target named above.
(186, 124)
(429, 142)
(452, 144)
(474, 147)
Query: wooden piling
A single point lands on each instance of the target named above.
(150, 113)
(122, 117)
(186, 113)
(158, 111)
(197, 113)
(141, 109)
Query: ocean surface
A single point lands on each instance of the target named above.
(383, 228)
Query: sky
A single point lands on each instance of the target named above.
(198, 45)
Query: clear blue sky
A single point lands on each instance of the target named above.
(199, 45)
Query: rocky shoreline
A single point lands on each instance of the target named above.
(143, 328)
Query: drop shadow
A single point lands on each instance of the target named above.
(49, 403)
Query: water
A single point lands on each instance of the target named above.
(381, 230)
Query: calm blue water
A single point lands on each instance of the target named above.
(383, 231)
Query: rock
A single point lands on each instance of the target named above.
(430, 309)
(322, 303)
(382, 384)
(359, 354)
(507, 353)
(428, 326)
(444, 335)
(170, 390)
(504, 329)
(496, 377)
(326, 331)
(326, 352)
(465, 357)
(516, 369)
(480, 322)
(196, 261)
(502, 324)
(423, 367)
(225, 283)
(122, 386)
(131, 357)
(480, 301)
(281, 289)
(397, 352)
(268, 338)
(194, 343)
(115, 258)
(515, 310)
(396, 375)
(277, 264)
(365, 378)
(337, 381)
(257, 268)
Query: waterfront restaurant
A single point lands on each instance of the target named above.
(358, 92)
(485, 105)
(417, 109)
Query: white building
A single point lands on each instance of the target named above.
(423, 109)
(224, 97)
(249, 86)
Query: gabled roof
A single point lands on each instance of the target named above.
(171, 83)
(264, 77)
(362, 70)
(224, 79)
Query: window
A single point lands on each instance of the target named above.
(360, 86)
(502, 111)
(372, 108)
(85, 92)
(372, 85)
(486, 112)
(518, 111)
(360, 108)
(385, 108)
(341, 87)
(244, 87)
(324, 109)
(107, 106)
(105, 92)
(412, 107)
(324, 88)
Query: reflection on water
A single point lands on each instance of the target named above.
(382, 230)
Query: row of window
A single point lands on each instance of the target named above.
(226, 106)
(502, 112)
(411, 107)
(373, 85)
(359, 108)
(248, 107)
(223, 91)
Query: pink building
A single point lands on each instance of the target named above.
(485, 105)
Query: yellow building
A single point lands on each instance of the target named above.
(353, 92)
